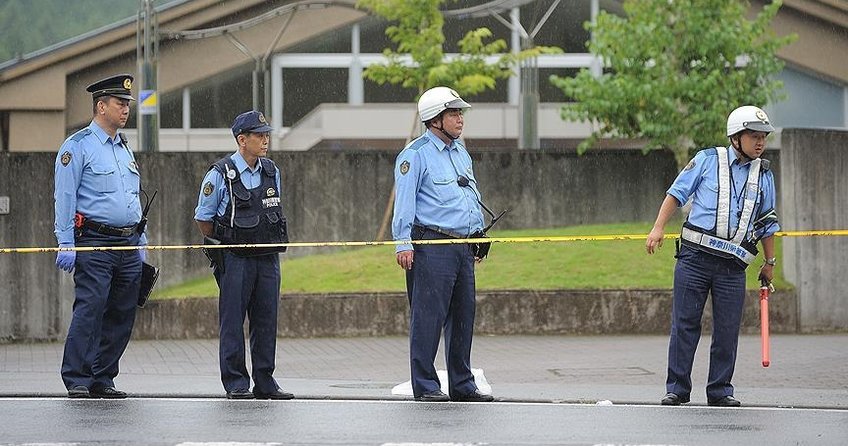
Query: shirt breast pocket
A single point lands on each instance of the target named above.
(708, 195)
(446, 188)
(104, 178)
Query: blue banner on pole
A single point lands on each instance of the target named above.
(147, 102)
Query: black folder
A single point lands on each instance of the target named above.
(149, 274)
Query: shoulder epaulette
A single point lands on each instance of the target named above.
(708, 151)
(418, 143)
(80, 134)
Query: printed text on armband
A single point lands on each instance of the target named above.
(727, 247)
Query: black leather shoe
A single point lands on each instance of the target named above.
(727, 401)
(278, 394)
(108, 392)
(436, 396)
(673, 399)
(240, 394)
(79, 392)
(473, 397)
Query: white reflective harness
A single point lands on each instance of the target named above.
(722, 241)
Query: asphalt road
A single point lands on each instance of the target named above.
(204, 421)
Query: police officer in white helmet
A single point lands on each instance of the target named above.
(437, 198)
(733, 207)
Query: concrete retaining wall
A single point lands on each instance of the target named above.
(342, 195)
(498, 312)
(327, 196)
(814, 196)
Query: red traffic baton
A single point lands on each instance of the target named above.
(765, 288)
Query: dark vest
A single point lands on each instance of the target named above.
(252, 216)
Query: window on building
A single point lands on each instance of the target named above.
(215, 102)
(306, 88)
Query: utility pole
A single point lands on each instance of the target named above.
(528, 101)
(147, 56)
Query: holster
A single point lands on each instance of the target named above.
(215, 256)
(481, 250)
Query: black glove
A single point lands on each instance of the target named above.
(481, 250)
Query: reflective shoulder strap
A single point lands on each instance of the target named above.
(723, 207)
(752, 192)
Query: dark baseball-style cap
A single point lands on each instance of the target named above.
(250, 122)
(119, 86)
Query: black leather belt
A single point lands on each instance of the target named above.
(441, 231)
(109, 230)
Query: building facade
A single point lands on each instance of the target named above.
(301, 62)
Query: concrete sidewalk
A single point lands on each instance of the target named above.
(806, 370)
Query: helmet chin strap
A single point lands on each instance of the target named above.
(445, 132)
(742, 152)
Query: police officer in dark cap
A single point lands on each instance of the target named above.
(97, 187)
(239, 203)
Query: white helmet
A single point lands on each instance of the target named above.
(748, 117)
(437, 100)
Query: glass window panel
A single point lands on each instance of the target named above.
(217, 101)
(306, 88)
(549, 92)
(171, 110)
(564, 28)
(372, 36)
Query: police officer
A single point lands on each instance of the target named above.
(97, 186)
(239, 203)
(437, 198)
(733, 207)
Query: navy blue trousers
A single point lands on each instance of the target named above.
(249, 286)
(106, 287)
(696, 274)
(441, 290)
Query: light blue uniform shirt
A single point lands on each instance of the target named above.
(214, 204)
(700, 181)
(97, 177)
(427, 192)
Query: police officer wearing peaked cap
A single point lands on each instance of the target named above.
(437, 198)
(239, 203)
(97, 186)
(733, 207)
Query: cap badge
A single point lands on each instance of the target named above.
(404, 167)
(262, 118)
(65, 159)
(128, 84)
(207, 188)
(761, 115)
(270, 192)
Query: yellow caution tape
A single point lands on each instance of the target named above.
(537, 239)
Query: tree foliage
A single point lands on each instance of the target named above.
(671, 73)
(419, 62)
(27, 25)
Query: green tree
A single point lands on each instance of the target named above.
(419, 37)
(671, 72)
(27, 25)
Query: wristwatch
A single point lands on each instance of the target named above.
(772, 261)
